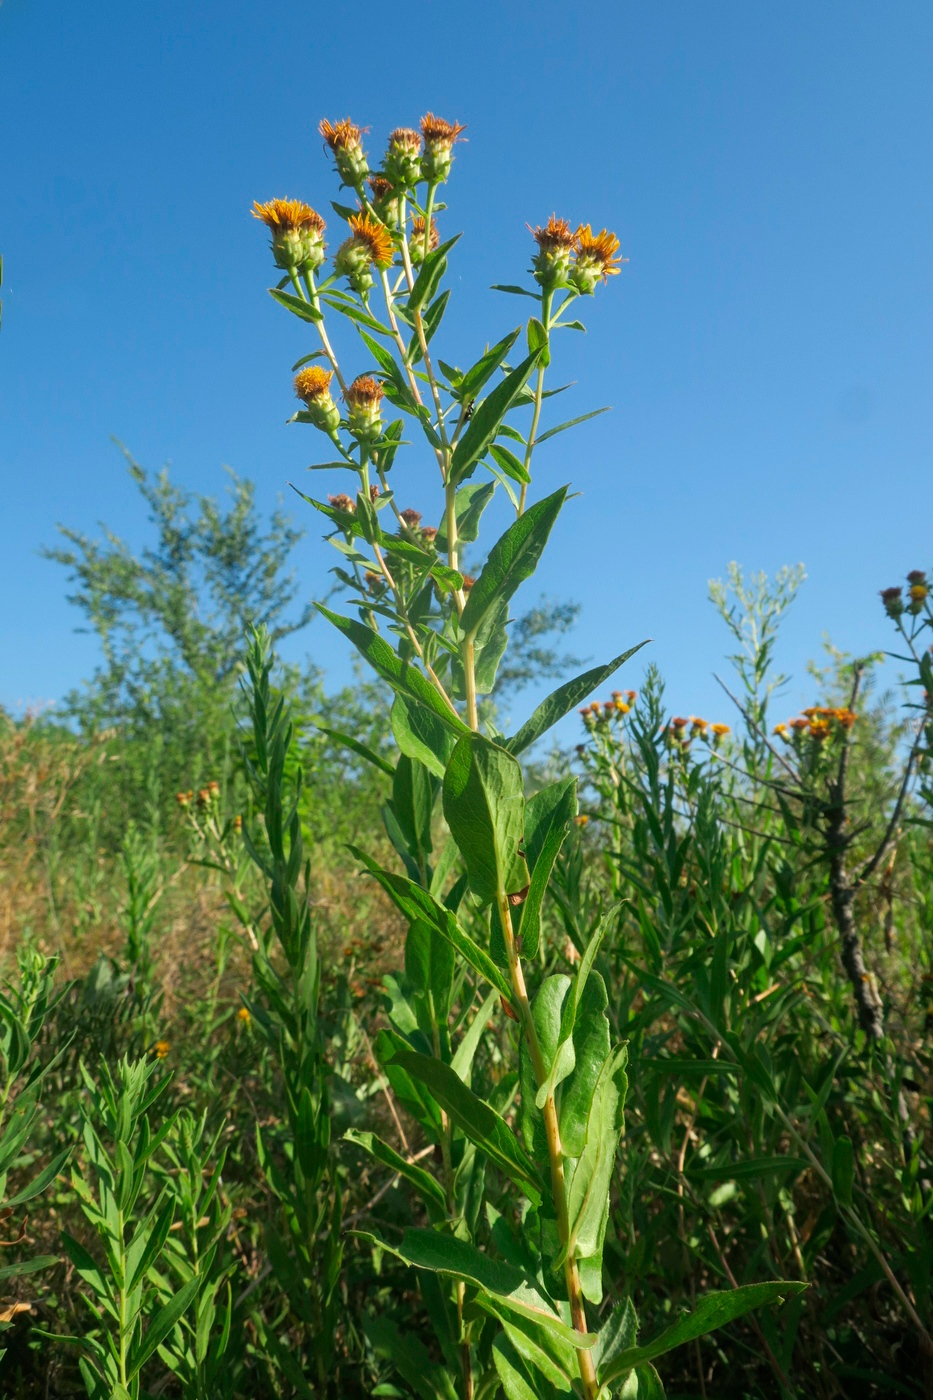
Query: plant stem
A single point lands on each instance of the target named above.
(546, 298)
(555, 1150)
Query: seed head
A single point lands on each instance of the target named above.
(349, 157)
(439, 138)
(343, 502)
(893, 600)
(297, 233)
(595, 258)
(403, 158)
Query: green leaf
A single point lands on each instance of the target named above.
(39, 1183)
(474, 1117)
(163, 1322)
(486, 420)
(158, 1234)
(843, 1171)
(541, 812)
(712, 1311)
(486, 366)
(387, 363)
(430, 964)
(588, 1192)
(749, 1170)
(571, 423)
(430, 1190)
(416, 903)
(561, 816)
(297, 305)
(618, 1334)
(469, 503)
(362, 751)
(545, 1013)
(420, 734)
(484, 805)
(432, 270)
(564, 1063)
(515, 291)
(401, 675)
(512, 559)
(31, 1266)
(538, 340)
(591, 1046)
(561, 701)
(509, 463)
(643, 1383)
(507, 1285)
(462, 1061)
(410, 1358)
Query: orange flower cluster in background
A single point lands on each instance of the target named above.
(699, 729)
(620, 704)
(817, 722)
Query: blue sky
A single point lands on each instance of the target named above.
(767, 349)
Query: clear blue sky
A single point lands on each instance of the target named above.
(767, 349)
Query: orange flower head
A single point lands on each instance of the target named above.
(678, 722)
(416, 242)
(364, 417)
(312, 386)
(161, 1049)
(244, 1016)
(819, 728)
(719, 731)
(595, 258)
(297, 233)
(403, 158)
(781, 730)
(556, 241)
(369, 245)
(799, 724)
(374, 582)
(845, 717)
(344, 140)
(439, 138)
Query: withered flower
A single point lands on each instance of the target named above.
(312, 386)
(349, 157)
(893, 600)
(343, 502)
(439, 137)
(556, 241)
(297, 233)
(411, 517)
(363, 399)
(595, 258)
(403, 158)
(416, 241)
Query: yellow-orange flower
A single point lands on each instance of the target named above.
(342, 135)
(161, 1049)
(363, 398)
(417, 239)
(555, 242)
(375, 236)
(297, 232)
(720, 729)
(312, 382)
(595, 258)
(244, 1016)
(436, 130)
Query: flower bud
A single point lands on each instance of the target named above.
(369, 245)
(343, 502)
(312, 386)
(349, 156)
(297, 233)
(439, 137)
(893, 600)
(555, 242)
(595, 259)
(363, 398)
(403, 158)
(416, 241)
(411, 517)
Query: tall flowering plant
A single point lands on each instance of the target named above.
(512, 1287)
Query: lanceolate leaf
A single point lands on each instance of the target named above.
(561, 701)
(512, 559)
(484, 805)
(425, 1184)
(421, 734)
(415, 903)
(297, 305)
(470, 502)
(486, 421)
(544, 858)
(512, 1290)
(712, 1311)
(571, 423)
(354, 745)
(473, 1116)
(401, 675)
(486, 365)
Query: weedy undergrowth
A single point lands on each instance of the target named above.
(518, 1201)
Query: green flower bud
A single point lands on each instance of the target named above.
(555, 246)
(439, 137)
(403, 158)
(349, 156)
(364, 417)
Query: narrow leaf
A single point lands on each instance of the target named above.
(512, 559)
(561, 701)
